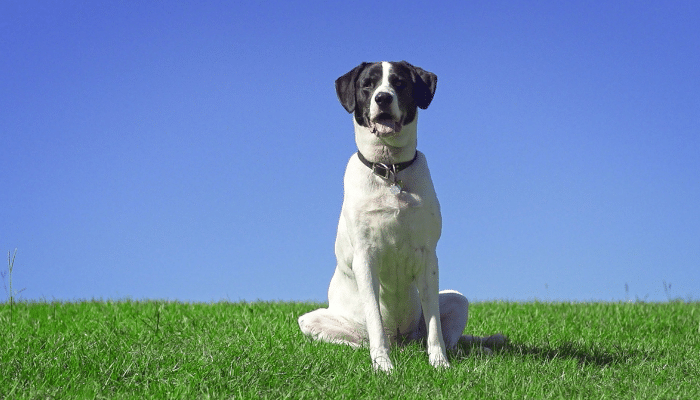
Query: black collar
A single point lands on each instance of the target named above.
(386, 171)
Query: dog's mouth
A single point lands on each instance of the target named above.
(385, 125)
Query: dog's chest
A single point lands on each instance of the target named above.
(402, 232)
(398, 226)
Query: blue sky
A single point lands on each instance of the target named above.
(195, 152)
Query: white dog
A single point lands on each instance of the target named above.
(385, 286)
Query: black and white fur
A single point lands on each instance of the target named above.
(385, 286)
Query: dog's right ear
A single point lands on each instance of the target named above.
(345, 87)
(424, 85)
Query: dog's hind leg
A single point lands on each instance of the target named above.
(454, 312)
(323, 325)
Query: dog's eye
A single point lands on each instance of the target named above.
(399, 84)
(367, 83)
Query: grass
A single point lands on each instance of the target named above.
(11, 293)
(156, 349)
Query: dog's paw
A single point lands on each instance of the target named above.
(381, 360)
(439, 360)
(382, 363)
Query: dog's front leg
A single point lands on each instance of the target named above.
(431, 311)
(368, 289)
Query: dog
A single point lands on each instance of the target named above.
(385, 286)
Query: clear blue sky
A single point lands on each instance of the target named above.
(195, 151)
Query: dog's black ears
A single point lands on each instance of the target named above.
(345, 87)
(424, 85)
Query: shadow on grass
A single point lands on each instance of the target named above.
(584, 354)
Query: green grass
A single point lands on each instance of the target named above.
(153, 349)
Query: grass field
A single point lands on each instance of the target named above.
(154, 349)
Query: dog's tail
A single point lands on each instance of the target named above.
(493, 342)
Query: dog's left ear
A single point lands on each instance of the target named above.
(424, 85)
(345, 87)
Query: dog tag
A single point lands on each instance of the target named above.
(395, 189)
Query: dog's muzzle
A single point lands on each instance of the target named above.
(384, 124)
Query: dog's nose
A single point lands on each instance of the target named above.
(383, 99)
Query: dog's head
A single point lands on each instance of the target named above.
(384, 96)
